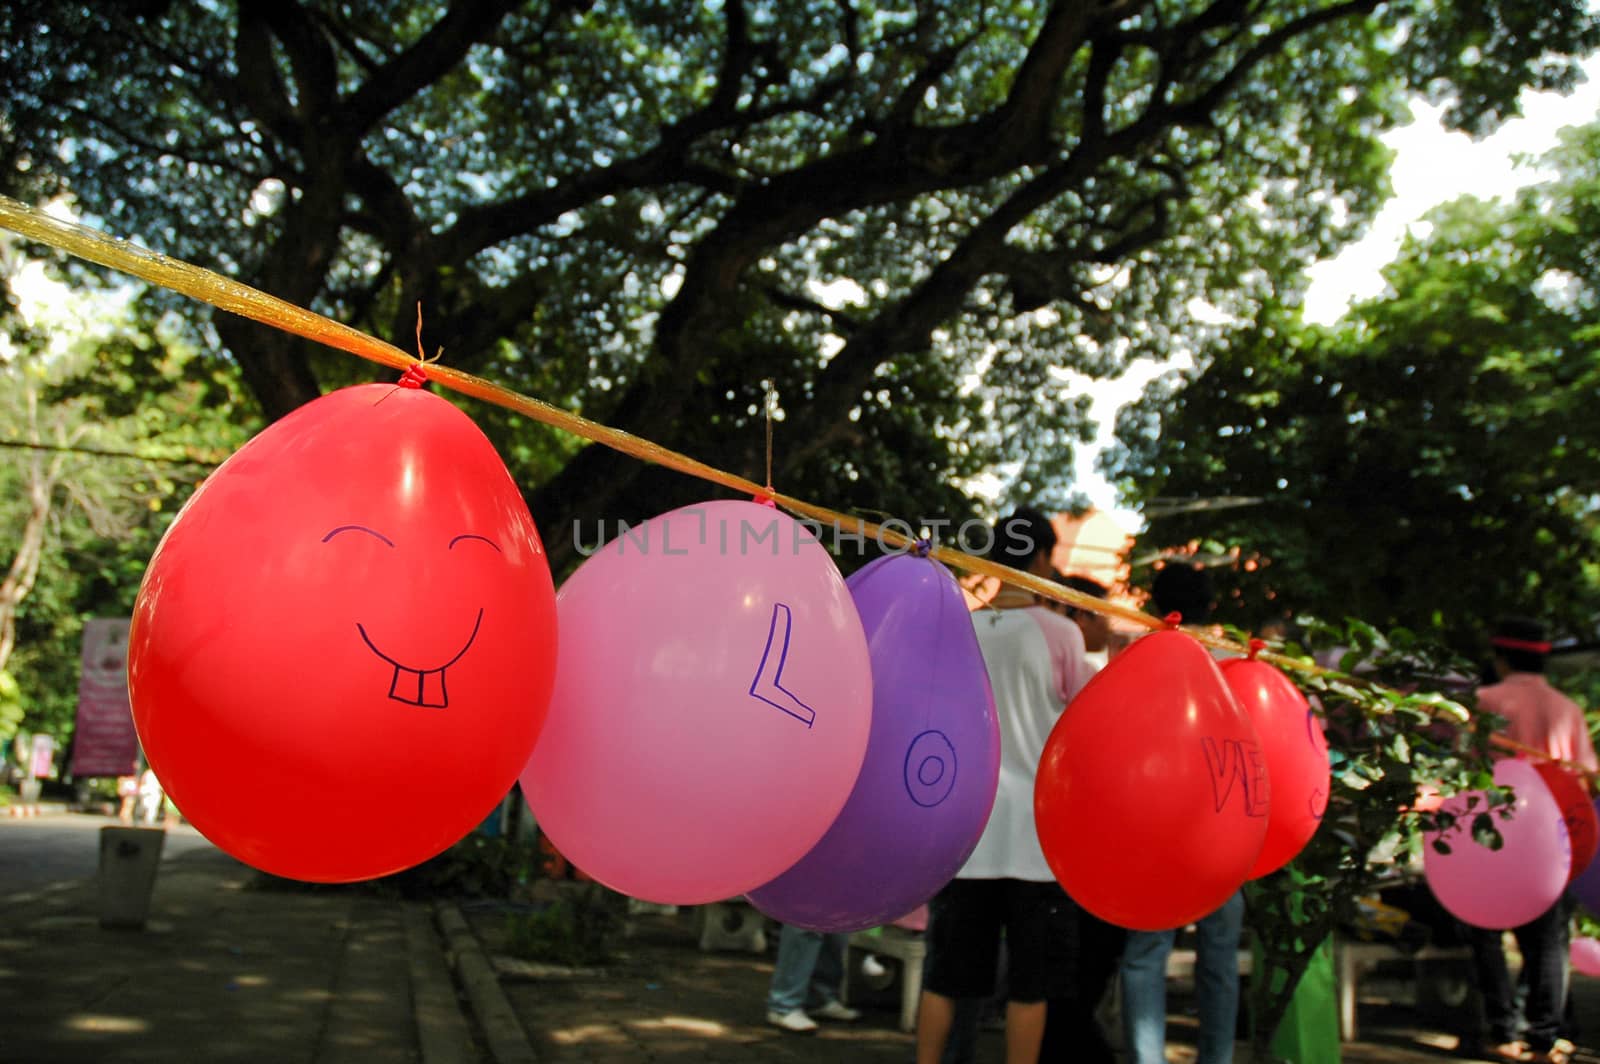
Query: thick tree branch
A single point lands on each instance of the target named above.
(1200, 107)
(466, 23)
(1025, 118)
(259, 87)
(311, 58)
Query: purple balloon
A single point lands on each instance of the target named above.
(933, 760)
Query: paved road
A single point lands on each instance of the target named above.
(38, 853)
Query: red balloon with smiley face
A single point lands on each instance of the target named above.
(343, 649)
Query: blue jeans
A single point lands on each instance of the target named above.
(1216, 976)
(809, 970)
(1543, 942)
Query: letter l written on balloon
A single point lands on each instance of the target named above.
(772, 691)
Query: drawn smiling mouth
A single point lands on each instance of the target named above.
(420, 687)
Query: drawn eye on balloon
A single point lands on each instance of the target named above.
(411, 683)
(1314, 734)
(930, 769)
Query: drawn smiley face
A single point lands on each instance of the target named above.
(414, 682)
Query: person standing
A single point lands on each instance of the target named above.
(1096, 627)
(1542, 718)
(1036, 664)
(1072, 1026)
(806, 980)
(1184, 590)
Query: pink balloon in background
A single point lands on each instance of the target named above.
(1585, 954)
(712, 701)
(1502, 888)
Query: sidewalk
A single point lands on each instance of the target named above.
(665, 1001)
(226, 971)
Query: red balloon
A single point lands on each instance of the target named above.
(1296, 753)
(343, 648)
(1151, 799)
(1577, 809)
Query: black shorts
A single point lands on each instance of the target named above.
(965, 920)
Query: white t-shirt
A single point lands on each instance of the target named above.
(1036, 666)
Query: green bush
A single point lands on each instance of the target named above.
(579, 928)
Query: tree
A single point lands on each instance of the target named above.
(645, 211)
(1429, 462)
(101, 437)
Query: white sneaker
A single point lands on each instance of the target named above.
(836, 1010)
(795, 1021)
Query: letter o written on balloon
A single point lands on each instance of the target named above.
(1296, 753)
(933, 760)
(712, 704)
(1151, 798)
(1502, 888)
(353, 610)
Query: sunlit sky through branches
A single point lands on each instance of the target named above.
(1431, 166)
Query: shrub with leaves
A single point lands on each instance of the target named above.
(579, 928)
(1391, 732)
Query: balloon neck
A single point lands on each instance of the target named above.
(921, 547)
(1256, 647)
(414, 376)
(1173, 619)
(763, 499)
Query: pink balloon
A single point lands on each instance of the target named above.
(712, 701)
(1585, 954)
(1502, 888)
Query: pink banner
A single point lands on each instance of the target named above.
(104, 743)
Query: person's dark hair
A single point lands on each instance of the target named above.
(1087, 586)
(1522, 643)
(1020, 535)
(1183, 589)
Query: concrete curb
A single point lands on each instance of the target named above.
(502, 1031)
(443, 1033)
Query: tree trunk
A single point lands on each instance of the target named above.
(24, 568)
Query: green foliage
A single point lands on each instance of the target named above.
(123, 420)
(915, 221)
(1390, 734)
(476, 867)
(579, 928)
(11, 711)
(1428, 463)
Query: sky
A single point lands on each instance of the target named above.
(1431, 166)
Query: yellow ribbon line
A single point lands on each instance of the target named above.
(236, 298)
